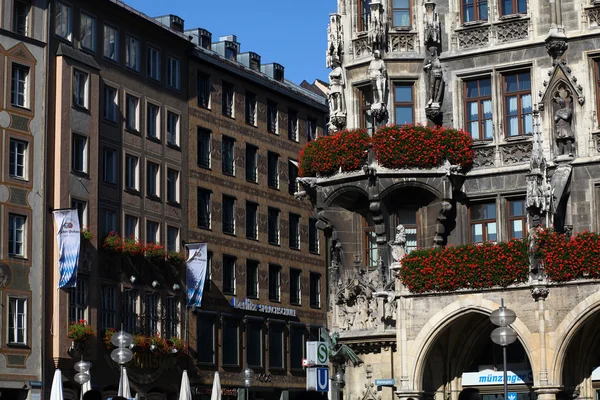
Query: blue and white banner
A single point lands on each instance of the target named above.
(68, 238)
(196, 273)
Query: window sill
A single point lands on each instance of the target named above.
(153, 197)
(275, 300)
(80, 174)
(295, 248)
(316, 253)
(292, 139)
(153, 79)
(133, 131)
(19, 107)
(173, 146)
(228, 174)
(228, 294)
(110, 60)
(86, 50)
(82, 109)
(110, 122)
(228, 116)
(18, 257)
(272, 133)
(206, 167)
(206, 228)
(519, 138)
(255, 181)
(207, 107)
(253, 125)
(274, 187)
(297, 304)
(315, 307)
(19, 179)
(511, 17)
(174, 89)
(482, 142)
(154, 139)
(274, 244)
(472, 24)
(402, 29)
(253, 239)
(252, 297)
(228, 233)
(174, 204)
(18, 346)
(132, 191)
(133, 70)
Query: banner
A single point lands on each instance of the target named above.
(196, 273)
(68, 239)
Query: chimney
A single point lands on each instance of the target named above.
(273, 70)
(200, 37)
(227, 47)
(172, 21)
(250, 60)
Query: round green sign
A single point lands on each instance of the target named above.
(322, 353)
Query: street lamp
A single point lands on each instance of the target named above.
(121, 355)
(338, 382)
(83, 373)
(503, 335)
(248, 378)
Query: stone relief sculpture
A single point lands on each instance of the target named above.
(563, 117)
(335, 51)
(377, 72)
(432, 25)
(335, 40)
(398, 247)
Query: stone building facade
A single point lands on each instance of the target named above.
(522, 78)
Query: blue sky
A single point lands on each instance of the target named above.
(292, 33)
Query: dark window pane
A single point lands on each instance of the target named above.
(276, 343)
(524, 81)
(510, 83)
(476, 212)
(206, 338)
(472, 89)
(254, 344)
(485, 87)
(296, 347)
(231, 337)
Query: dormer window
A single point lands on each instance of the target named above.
(254, 65)
(278, 75)
(205, 42)
(230, 52)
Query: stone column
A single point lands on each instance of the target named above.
(544, 390)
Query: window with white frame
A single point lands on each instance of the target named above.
(132, 53)
(131, 173)
(173, 72)
(16, 235)
(204, 208)
(78, 301)
(295, 286)
(294, 231)
(79, 156)
(80, 89)
(109, 222)
(132, 113)
(108, 307)
(152, 121)
(19, 93)
(110, 165)
(152, 179)
(21, 11)
(172, 238)
(129, 315)
(81, 207)
(110, 103)
(111, 43)
(274, 282)
(153, 67)
(172, 128)
(172, 186)
(252, 279)
(171, 328)
(152, 232)
(131, 227)
(152, 313)
(229, 274)
(277, 354)
(273, 226)
(88, 32)
(63, 21)
(17, 165)
(17, 321)
(228, 220)
(315, 289)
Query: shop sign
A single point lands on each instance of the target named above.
(247, 305)
(491, 377)
(317, 379)
(317, 353)
(207, 391)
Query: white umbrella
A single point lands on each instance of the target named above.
(86, 386)
(185, 393)
(124, 384)
(216, 389)
(56, 393)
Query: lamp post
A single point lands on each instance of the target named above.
(338, 381)
(83, 373)
(248, 378)
(503, 335)
(121, 355)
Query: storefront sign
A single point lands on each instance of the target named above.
(206, 391)
(491, 377)
(250, 306)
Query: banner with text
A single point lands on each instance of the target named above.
(68, 238)
(196, 273)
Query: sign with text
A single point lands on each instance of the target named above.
(491, 377)
(248, 305)
(385, 382)
(317, 379)
(317, 353)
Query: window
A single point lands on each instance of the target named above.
(482, 218)
(152, 232)
(132, 53)
(108, 307)
(517, 103)
(313, 236)
(80, 89)
(16, 235)
(311, 129)
(229, 275)
(251, 108)
(231, 336)
(204, 208)
(21, 10)
(152, 314)
(511, 7)
(408, 219)
(273, 225)
(276, 345)
(403, 104)
(131, 173)
(63, 21)
(19, 93)
(132, 113)
(204, 137)
(474, 10)
(295, 292)
(228, 225)
(88, 32)
(171, 327)
(17, 321)
(207, 281)
(152, 120)
(109, 223)
(227, 155)
(78, 301)
(293, 125)
(173, 72)
(401, 13)
(294, 231)
(274, 282)
(203, 90)
(478, 108)
(252, 279)
(365, 95)
(79, 156)
(17, 164)
(251, 163)
(517, 218)
(131, 227)
(152, 180)
(81, 207)
(153, 67)
(315, 290)
(227, 100)
(254, 343)
(297, 345)
(251, 220)
(273, 169)
(129, 316)
(272, 117)
(172, 186)
(293, 175)
(110, 166)
(205, 328)
(110, 104)
(111, 43)
(364, 15)
(371, 248)
(172, 128)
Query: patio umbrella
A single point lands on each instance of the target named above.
(56, 393)
(124, 384)
(216, 389)
(185, 392)
(86, 386)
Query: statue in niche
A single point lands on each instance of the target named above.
(432, 25)
(335, 41)
(398, 246)
(377, 29)
(377, 72)
(435, 78)
(361, 318)
(563, 118)
(337, 107)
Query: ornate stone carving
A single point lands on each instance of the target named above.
(560, 75)
(377, 26)
(515, 153)
(6, 276)
(593, 16)
(484, 157)
(398, 248)
(556, 45)
(378, 74)
(361, 47)
(370, 391)
(432, 26)
(474, 37)
(513, 30)
(436, 82)
(337, 103)
(563, 117)
(335, 40)
(540, 292)
(402, 42)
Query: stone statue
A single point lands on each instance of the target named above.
(335, 40)
(337, 106)
(562, 122)
(432, 25)
(435, 78)
(398, 246)
(376, 26)
(378, 74)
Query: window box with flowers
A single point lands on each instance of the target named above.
(155, 343)
(79, 332)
